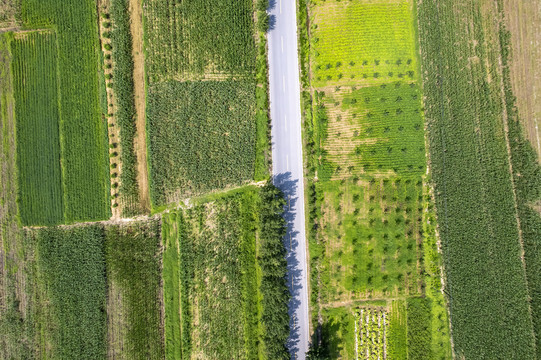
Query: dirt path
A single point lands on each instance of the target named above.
(136, 25)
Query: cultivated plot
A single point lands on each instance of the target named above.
(224, 278)
(369, 200)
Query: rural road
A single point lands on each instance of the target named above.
(285, 110)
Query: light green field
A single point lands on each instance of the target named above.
(367, 159)
(362, 42)
(371, 233)
(373, 130)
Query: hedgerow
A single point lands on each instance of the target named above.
(123, 88)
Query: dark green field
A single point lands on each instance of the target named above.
(85, 166)
(191, 40)
(38, 138)
(201, 137)
(485, 222)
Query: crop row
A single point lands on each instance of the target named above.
(40, 195)
(488, 293)
(187, 40)
(371, 342)
(85, 166)
(200, 139)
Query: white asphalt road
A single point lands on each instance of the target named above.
(287, 160)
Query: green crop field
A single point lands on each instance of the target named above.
(229, 299)
(85, 166)
(38, 139)
(207, 104)
(190, 40)
(200, 139)
(367, 173)
(475, 141)
(373, 130)
(71, 270)
(370, 239)
(362, 42)
(132, 255)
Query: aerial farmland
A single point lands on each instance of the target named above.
(270, 179)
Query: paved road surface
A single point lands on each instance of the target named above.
(287, 160)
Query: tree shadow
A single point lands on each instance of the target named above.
(289, 188)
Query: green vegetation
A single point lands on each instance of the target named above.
(370, 333)
(362, 42)
(370, 242)
(477, 212)
(372, 130)
(419, 330)
(232, 303)
(441, 347)
(338, 331)
(123, 88)
(271, 258)
(16, 320)
(38, 139)
(83, 132)
(171, 285)
(397, 346)
(206, 38)
(527, 182)
(365, 146)
(262, 146)
(10, 13)
(207, 80)
(71, 269)
(201, 137)
(133, 265)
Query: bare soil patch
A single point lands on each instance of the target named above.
(524, 22)
(140, 102)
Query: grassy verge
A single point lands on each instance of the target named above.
(171, 286)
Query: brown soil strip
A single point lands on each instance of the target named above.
(116, 323)
(523, 20)
(136, 26)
